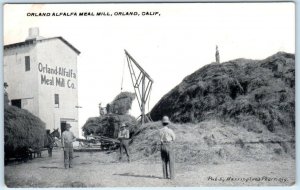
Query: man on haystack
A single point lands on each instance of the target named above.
(123, 136)
(167, 136)
(67, 143)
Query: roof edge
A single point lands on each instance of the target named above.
(29, 42)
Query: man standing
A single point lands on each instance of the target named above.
(6, 99)
(167, 136)
(217, 55)
(50, 142)
(123, 136)
(67, 143)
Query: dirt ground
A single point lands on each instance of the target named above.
(99, 169)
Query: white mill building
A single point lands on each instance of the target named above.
(42, 78)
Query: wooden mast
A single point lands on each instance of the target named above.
(142, 84)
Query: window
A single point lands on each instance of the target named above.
(27, 63)
(17, 103)
(56, 99)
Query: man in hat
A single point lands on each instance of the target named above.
(123, 136)
(167, 136)
(6, 99)
(50, 140)
(67, 143)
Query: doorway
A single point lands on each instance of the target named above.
(63, 125)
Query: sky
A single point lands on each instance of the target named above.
(169, 46)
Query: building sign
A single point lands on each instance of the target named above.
(61, 76)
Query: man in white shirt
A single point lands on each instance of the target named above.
(123, 136)
(67, 143)
(167, 136)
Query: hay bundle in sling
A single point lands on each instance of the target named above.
(122, 103)
(22, 129)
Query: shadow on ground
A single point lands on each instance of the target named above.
(51, 167)
(135, 175)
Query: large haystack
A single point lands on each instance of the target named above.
(239, 110)
(255, 94)
(22, 129)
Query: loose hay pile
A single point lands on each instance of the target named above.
(212, 142)
(22, 129)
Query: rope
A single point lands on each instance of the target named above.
(123, 74)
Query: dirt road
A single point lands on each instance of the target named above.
(98, 170)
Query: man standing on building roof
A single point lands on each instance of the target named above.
(123, 136)
(67, 143)
(167, 137)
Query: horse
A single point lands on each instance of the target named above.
(49, 143)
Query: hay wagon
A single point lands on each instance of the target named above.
(97, 143)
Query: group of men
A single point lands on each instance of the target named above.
(167, 137)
